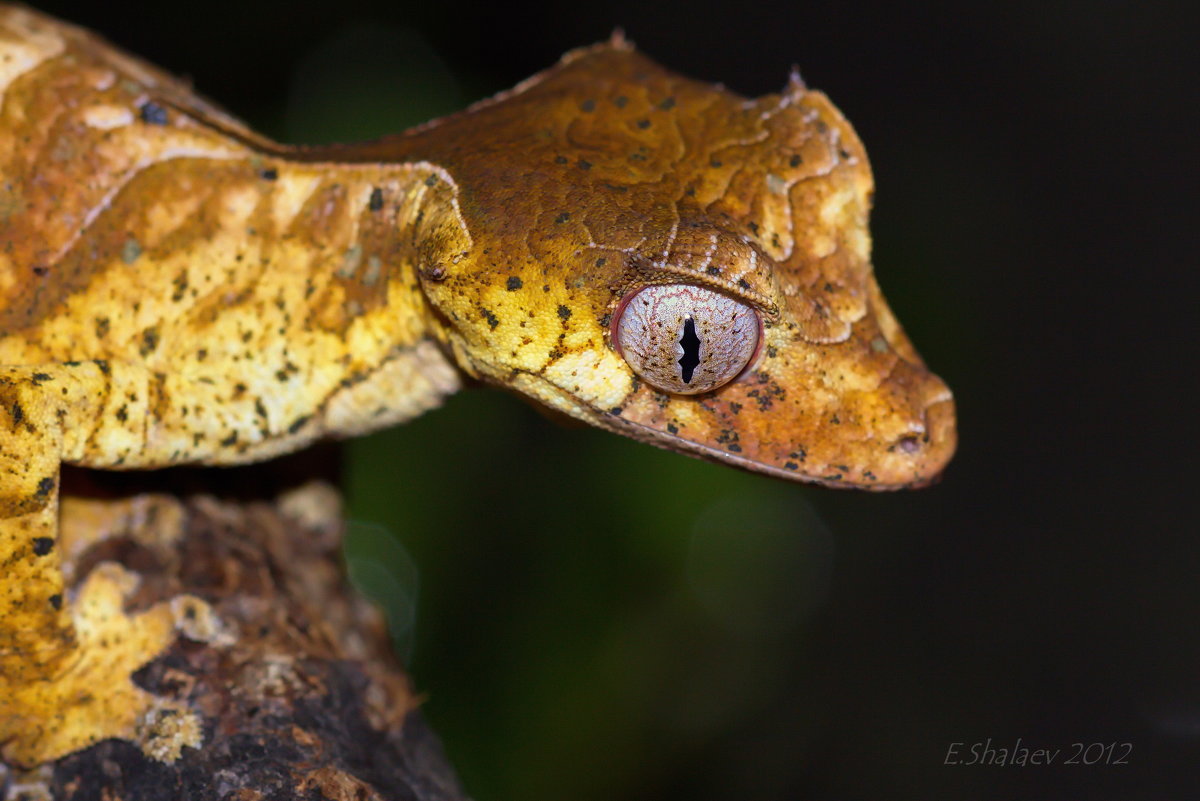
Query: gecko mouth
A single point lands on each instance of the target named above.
(913, 460)
(835, 480)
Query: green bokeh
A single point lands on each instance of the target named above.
(582, 600)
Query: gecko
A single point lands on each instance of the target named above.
(653, 255)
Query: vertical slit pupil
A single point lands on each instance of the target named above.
(691, 350)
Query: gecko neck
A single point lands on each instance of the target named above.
(368, 230)
(323, 329)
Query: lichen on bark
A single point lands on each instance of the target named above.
(293, 687)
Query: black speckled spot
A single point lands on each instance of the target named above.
(587, 106)
(620, 101)
(672, 428)
(299, 423)
(56, 601)
(180, 282)
(376, 201)
(728, 437)
(791, 466)
(667, 103)
(562, 218)
(43, 545)
(431, 180)
(513, 284)
(561, 159)
(149, 341)
(492, 319)
(643, 124)
(269, 174)
(795, 161)
(564, 313)
(152, 113)
(45, 487)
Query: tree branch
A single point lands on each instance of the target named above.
(296, 688)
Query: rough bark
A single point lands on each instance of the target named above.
(299, 694)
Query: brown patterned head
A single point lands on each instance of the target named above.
(606, 174)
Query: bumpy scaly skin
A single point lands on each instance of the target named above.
(169, 294)
(629, 175)
(176, 289)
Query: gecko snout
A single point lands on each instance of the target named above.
(911, 435)
(930, 446)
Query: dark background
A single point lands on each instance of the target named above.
(594, 619)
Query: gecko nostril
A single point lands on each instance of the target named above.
(910, 444)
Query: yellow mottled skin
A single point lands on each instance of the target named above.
(176, 289)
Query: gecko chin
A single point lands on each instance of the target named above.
(749, 425)
(911, 462)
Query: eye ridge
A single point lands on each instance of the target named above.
(691, 350)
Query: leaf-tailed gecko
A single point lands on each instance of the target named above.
(650, 254)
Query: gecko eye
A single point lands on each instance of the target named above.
(685, 339)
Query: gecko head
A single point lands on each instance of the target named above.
(674, 263)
